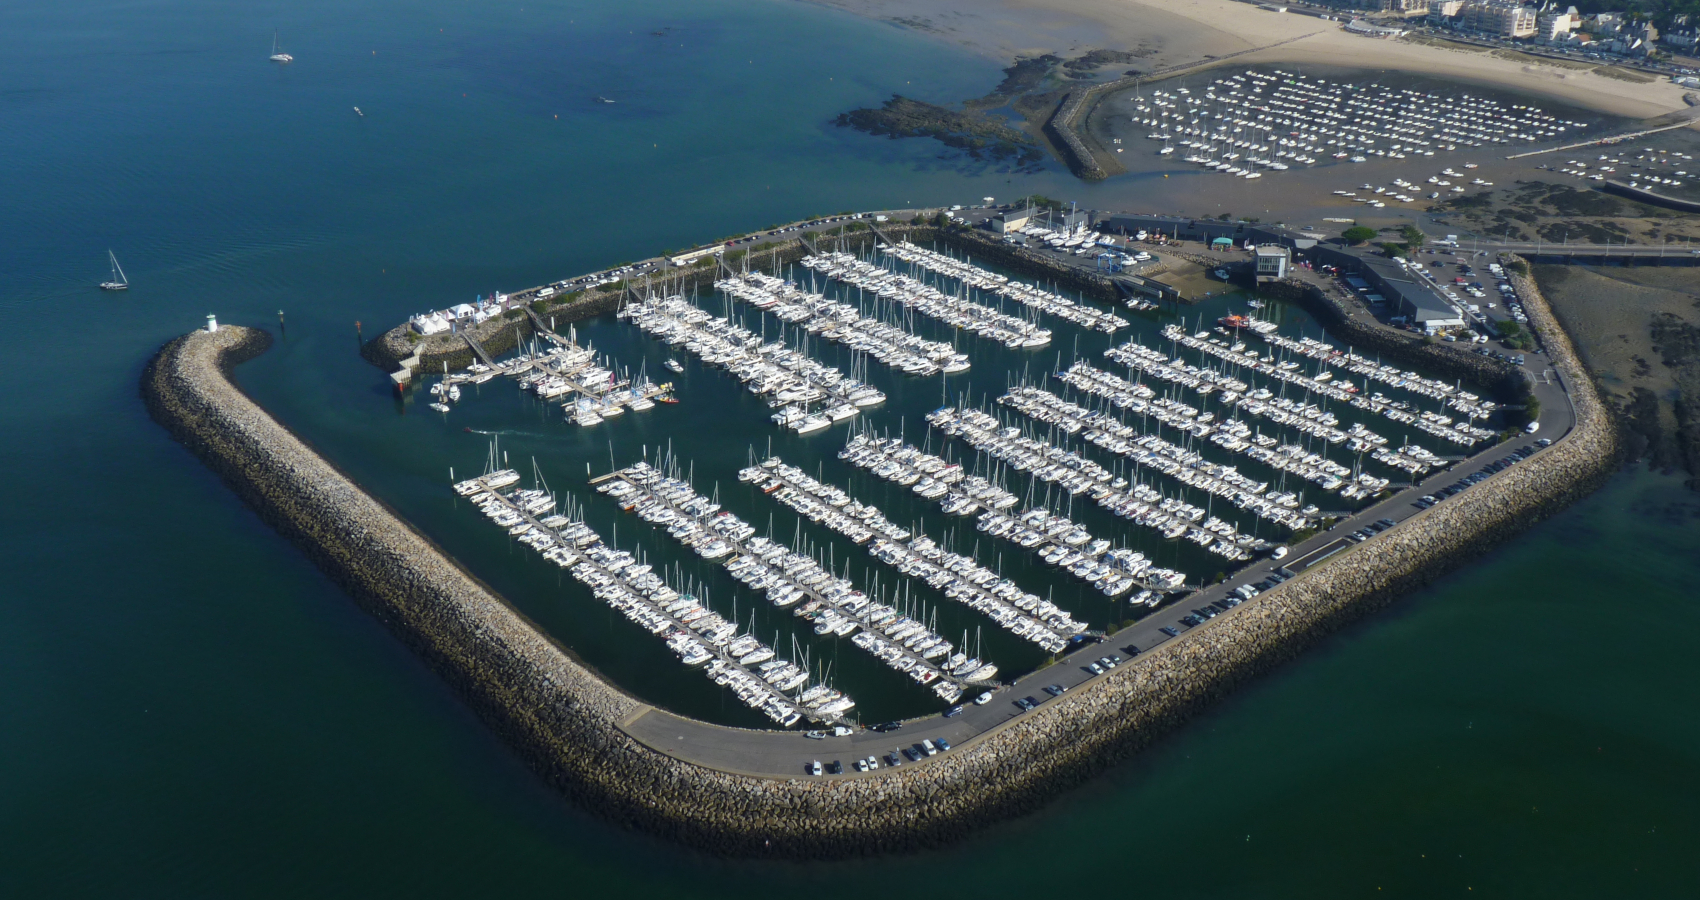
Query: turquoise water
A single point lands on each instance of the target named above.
(192, 710)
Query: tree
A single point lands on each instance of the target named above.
(1357, 234)
(1394, 249)
(1413, 235)
(1515, 336)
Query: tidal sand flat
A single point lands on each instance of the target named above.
(1195, 31)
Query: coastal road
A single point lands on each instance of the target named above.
(786, 754)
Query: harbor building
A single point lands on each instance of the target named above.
(690, 256)
(1418, 302)
(1013, 220)
(1272, 262)
(1429, 312)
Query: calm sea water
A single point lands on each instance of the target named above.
(192, 710)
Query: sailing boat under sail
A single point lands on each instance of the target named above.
(278, 55)
(118, 281)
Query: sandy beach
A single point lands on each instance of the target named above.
(1184, 31)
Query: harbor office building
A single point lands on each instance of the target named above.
(1272, 262)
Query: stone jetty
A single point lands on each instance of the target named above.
(501, 333)
(566, 721)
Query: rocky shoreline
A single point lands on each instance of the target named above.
(565, 720)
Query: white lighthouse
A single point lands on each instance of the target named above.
(212, 324)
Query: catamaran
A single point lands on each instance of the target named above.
(279, 56)
(118, 282)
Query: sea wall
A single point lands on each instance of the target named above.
(496, 335)
(1651, 198)
(564, 719)
(501, 333)
(1508, 383)
(1077, 156)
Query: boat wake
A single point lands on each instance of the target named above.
(519, 434)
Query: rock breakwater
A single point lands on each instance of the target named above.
(496, 335)
(565, 720)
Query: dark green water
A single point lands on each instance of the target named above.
(192, 710)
